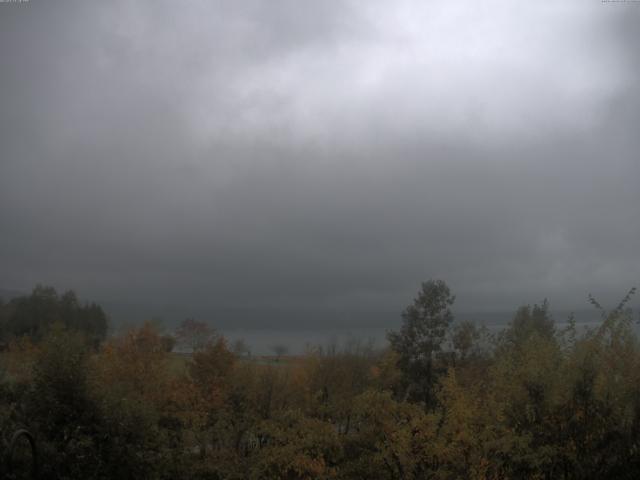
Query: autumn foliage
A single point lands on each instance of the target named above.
(445, 400)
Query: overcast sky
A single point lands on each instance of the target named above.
(326, 156)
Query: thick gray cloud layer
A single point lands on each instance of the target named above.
(320, 156)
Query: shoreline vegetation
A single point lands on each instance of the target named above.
(443, 399)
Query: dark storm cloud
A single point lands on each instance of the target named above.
(321, 156)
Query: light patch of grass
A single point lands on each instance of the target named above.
(177, 364)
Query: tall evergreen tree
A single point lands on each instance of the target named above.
(424, 330)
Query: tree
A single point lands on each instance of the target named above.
(295, 447)
(34, 315)
(470, 342)
(194, 335)
(424, 330)
(336, 376)
(211, 366)
(199, 398)
(240, 348)
(386, 439)
(130, 380)
(530, 321)
(61, 408)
